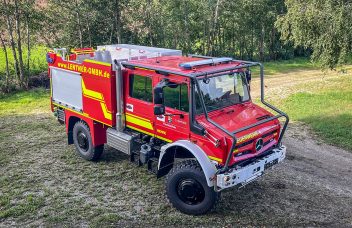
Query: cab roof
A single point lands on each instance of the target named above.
(190, 66)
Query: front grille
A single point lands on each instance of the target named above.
(252, 140)
(267, 142)
(243, 153)
(244, 144)
(252, 150)
(269, 133)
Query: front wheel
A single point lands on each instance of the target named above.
(84, 144)
(187, 189)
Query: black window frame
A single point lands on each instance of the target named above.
(146, 93)
(179, 87)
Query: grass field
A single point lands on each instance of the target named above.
(44, 182)
(37, 60)
(327, 108)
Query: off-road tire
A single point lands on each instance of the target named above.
(90, 152)
(184, 170)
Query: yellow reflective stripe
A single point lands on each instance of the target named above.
(215, 159)
(77, 51)
(148, 133)
(97, 62)
(107, 113)
(82, 52)
(130, 114)
(139, 121)
(81, 113)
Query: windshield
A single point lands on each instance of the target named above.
(222, 91)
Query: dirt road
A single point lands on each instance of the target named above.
(44, 183)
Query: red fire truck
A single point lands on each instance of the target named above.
(188, 117)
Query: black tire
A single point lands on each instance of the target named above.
(187, 189)
(84, 144)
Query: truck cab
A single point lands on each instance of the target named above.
(190, 118)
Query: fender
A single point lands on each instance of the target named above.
(208, 167)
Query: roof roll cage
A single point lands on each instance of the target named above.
(241, 64)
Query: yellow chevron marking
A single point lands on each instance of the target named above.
(107, 113)
(97, 96)
(139, 121)
(91, 93)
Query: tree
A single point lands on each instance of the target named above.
(7, 77)
(12, 40)
(19, 44)
(322, 25)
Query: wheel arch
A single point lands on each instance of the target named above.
(185, 149)
(97, 130)
(71, 123)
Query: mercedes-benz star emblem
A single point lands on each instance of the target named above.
(259, 144)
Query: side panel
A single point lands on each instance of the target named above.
(98, 90)
(66, 88)
(92, 93)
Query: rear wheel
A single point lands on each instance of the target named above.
(84, 144)
(187, 189)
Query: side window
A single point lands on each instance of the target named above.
(141, 88)
(177, 98)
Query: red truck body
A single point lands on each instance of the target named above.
(96, 101)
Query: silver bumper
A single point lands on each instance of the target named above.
(246, 174)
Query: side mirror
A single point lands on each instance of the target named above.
(159, 110)
(158, 95)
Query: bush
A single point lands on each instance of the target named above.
(40, 80)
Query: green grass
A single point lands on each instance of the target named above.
(327, 108)
(25, 102)
(38, 62)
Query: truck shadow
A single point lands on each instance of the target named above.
(111, 155)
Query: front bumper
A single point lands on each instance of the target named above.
(248, 173)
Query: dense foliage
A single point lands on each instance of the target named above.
(323, 25)
(244, 29)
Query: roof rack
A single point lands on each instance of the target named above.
(209, 61)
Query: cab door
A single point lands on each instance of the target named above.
(174, 124)
(139, 102)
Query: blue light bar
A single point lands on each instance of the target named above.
(212, 61)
